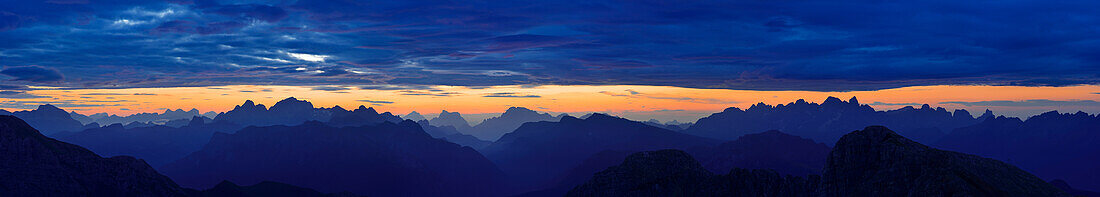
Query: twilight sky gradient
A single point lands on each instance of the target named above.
(1021, 56)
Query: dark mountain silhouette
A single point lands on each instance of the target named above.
(578, 175)
(537, 152)
(289, 111)
(878, 162)
(872, 162)
(34, 165)
(1051, 145)
(827, 121)
(262, 189)
(1060, 184)
(451, 134)
(151, 118)
(414, 116)
(453, 119)
(675, 173)
(386, 159)
(491, 129)
(157, 144)
(48, 119)
(360, 116)
(784, 153)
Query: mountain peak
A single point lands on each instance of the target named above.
(518, 110)
(832, 100)
(49, 107)
(853, 101)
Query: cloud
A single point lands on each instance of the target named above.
(9, 94)
(893, 104)
(103, 94)
(1026, 103)
(33, 74)
(331, 88)
(510, 95)
(375, 102)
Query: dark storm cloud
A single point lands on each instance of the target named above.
(33, 74)
(763, 45)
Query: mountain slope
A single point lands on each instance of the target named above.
(493, 128)
(386, 159)
(157, 145)
(775, 150)
(675, 173)
(874, 161)
(539, 151)
(1051, 145)
(34, 165)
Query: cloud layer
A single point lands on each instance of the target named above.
(759, 45)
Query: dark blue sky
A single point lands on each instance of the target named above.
(758, 45)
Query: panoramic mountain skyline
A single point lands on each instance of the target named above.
(499, 98)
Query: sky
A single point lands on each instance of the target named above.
(683, 58)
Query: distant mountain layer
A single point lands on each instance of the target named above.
(827, 121)
(1051, 145)
(386, 159)
(775, 150)
(871, 162)
(537, 152)
(157, 144)
(48, 119)
(291, 111)
(493, 128)
(34, 165)
(779, 152)
(155, 118)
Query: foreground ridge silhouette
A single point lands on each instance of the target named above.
(874, 161)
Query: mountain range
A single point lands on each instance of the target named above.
(874, 161)
(386, 159)
(827, 121)
(551, 155)
(537, 152)
(1051, 145)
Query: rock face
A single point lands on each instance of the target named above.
(775, 150)
(827, 121)
(493, 128)
(675, 173)
(1051, 145)
(34, 165)
(386, 159)
(537, 152)
(872, 162)
(878, 162)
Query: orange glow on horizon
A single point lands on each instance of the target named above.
(632, 101)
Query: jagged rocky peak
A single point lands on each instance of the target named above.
(853, 101)
(292, 103)
(49, 107)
